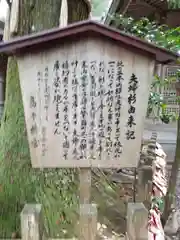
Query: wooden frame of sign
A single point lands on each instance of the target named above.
(85, 92)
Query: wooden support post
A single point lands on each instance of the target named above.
(137, 217)
(85, 185)
(31, 222)
(88, 221)
(88, 212)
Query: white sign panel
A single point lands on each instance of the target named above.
(85, 104)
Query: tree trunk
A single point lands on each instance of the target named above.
(170, 197)
(19, 183)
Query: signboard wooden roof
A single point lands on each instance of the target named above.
(85, 29)
(85, 93)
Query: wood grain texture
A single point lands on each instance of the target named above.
(14, 17)
(31, 222)
(83, 50)
(88, 222)
(85, 185)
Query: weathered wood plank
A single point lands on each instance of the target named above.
(31, 222)
(88, 222)
(104, 79)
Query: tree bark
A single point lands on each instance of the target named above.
(19, 183)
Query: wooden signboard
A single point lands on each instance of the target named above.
(85, 104)
(85, 92)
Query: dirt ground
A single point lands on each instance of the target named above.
(111, 199)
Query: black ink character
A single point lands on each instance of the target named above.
(100, 148)
(101, 134)
(118, 90)
(65, 94)
(57, 115)
(133, 83)
(32, 102)
(131, 110)
(92, 124)
(117, 122)
(120, 64)
(132, 98)
(34, 129)
(65, 109)
(83, 144)
(83, 123)
(57, 132)
(74, 63)
(66, 143)
(34, 143)
(109, 143)
(131, 121)
(75, 152)
(33, 116)
(56, 66)
(65, 155)
(46, 72)
(57, 82)
(110, 116)
(75, 139)
(57, 98)
(66, 126)
(65, 65)
(57, 123)
(117, 114)
(101, 67)
(132, 87)
(130, 135)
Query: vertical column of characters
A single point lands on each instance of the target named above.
(46, 92)
(75, 138)
(65, 82)
(109, 102)
(117, 110)
(83, 111)
(132, 87)
(34, 128)
(101, 93)
(92, 129)
(57, 98)
(46, 107)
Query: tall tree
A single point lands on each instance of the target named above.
(19, 183)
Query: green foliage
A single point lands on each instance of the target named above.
(160, 35)
(173, 4)
(157, 104)
(164, 37)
